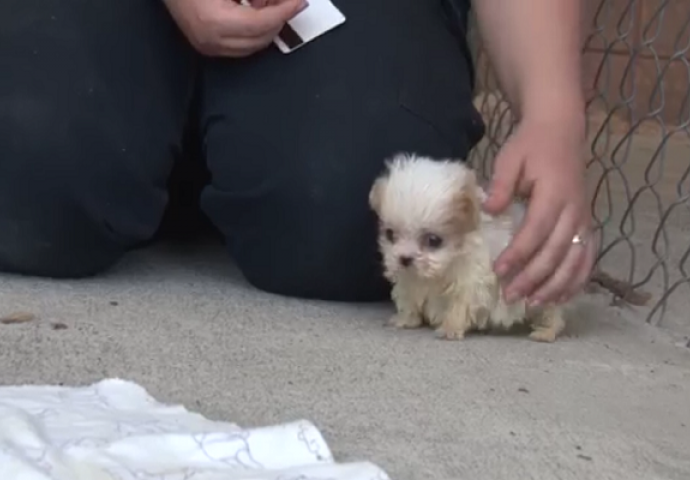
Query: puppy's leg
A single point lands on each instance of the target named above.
(456, 321)
(547, 323)
(470, 309)
(407, 315)
(406, 319)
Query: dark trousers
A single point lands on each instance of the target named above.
(98, 97)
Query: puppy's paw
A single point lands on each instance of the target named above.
(405, 321)
(545, 335)
(445, 333)
(547, 325)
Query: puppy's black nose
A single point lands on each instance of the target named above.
(405, 261)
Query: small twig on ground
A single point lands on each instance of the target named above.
(621, 289)
(17, 317)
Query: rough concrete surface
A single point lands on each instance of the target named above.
(611, 400)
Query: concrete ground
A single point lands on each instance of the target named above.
(611, 400)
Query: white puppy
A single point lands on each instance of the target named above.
(438, 249)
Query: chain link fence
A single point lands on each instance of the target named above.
(636, 60)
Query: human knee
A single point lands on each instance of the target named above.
(55, 238)
(312, 241)
(327, 273)
(50, 222)
(46, 231)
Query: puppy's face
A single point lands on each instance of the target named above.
(425, 208)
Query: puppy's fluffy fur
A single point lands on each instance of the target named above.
(438, 249)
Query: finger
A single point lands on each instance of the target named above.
(547, 260)
(563, 279)
(263, 3)
(237, 47)
(504, 183)
(258, 3)
(245, 46)
(541, 217)
(229, 52)
(257, 22)
(584, 274)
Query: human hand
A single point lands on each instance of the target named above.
(228, 29)
(552, 254)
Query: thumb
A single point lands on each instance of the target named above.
(263, 20)
(505, 180)
(286, 9)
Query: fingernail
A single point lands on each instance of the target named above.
(535, 302)
(502, 269)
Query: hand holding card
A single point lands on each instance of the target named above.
(220, 28)
(318, 18)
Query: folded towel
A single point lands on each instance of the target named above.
(114, 430)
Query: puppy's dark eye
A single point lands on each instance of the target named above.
(389, 234)
(432, 241)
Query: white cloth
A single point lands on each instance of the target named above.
(113, 430)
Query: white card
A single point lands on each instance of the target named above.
(318, 18)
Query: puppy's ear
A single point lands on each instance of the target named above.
(376, 193)
(466, 205)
